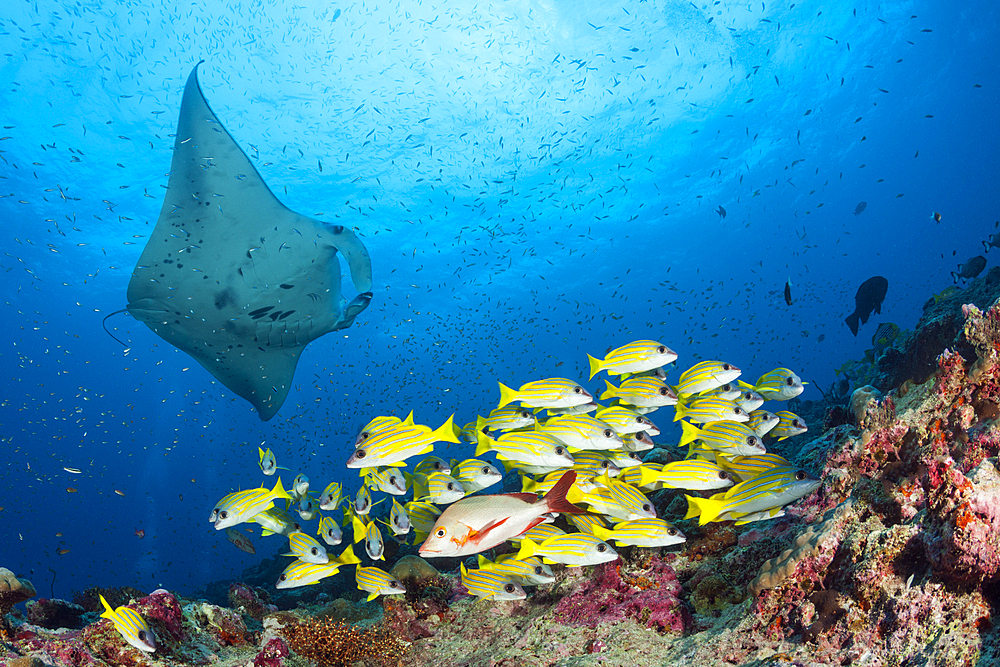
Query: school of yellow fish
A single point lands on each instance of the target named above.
(580, 459)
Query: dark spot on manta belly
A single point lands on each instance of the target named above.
(284, 286)
(224, 298)
(286, 314)
(259, 313)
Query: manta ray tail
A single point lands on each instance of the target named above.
(104, 323)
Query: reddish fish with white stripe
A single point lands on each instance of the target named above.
(477, 523)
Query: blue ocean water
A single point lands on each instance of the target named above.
(534, 182)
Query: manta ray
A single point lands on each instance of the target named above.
(230, 275)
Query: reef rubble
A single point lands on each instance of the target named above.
(894, 560)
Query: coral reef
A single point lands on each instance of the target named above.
(336, 644)
(55, 614)
(12, 591)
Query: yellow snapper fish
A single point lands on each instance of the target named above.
(528, 468)
(438, 487)
(131, 626)
(376, 581)
(268, 464)
(399, 520)
(641, 533)
(370, 533)
(623, 459)
(528, 447)
(422, 517)
(379, 424)
(468, 433)
(301, 573)
(549, 393)
(620, 500)
(642, 391)
(637, 442)
(431, 464)
(362, 503)
(477, 523)
(748, 467)
(581, 409)
(704, 410)
(790, 424)
(331, 497)
(475, 475)
(749, 400)
(586, 523)
(529, 572)
(541, 532)
(300, 484)
(386, 479)
(240, 541)
(330, 531)
(394, 444)
(307, 508)
(593, 464)
(729, 391)
(486, 584)
(276, 521)
(762, 422)
(635, 357)
(542, 486)
(506, 418)
(625, 421)
(572, 550)
(307, 549)
(732, 438)
(690, 474)
(241, 506)
(743, 519)
(781, 384)
(581, 432)
(705, 376)
(774, 488)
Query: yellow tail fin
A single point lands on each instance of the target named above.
(279, 491)
(108, 611)
(507, 395)
(595, 366)
(483, 443)
(446, 432)
(705, 509)
(610, 392)
(689, 433)
(528, 549)
(347, 557)
(600, 532)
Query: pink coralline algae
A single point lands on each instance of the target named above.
(273, 653)
(249, 601)
(616, 591)
(162, 612)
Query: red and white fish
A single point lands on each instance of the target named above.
(240, 541)
(477, 523)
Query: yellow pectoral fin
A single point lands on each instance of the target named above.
(371, 596)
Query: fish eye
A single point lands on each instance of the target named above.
(663, 391)
(283, 577)
(577, 390)
(800, 475)
(797, 424)
(605, 464)
(364, 435)
(661, 349)
(752, 440)
(450, 486)
(525, 414)
(509, 588)
(602, 547)
(671, 531)
(360, 454)
(392, 480)
(440, 532)
(486, 470)
(560, 450)
(789, 381)
(725, 367)
(608, 433)
(738, 411)
(223, 514)
(723, 474)
(645, 507)
(538, 569)
(393, 584)
(142, 635)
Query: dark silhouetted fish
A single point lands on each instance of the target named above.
(860, 207)
(788, 292)
(868, 300)
(970, 269)
(721, 212)
(994, 242)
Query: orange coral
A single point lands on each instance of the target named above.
(336, 644)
